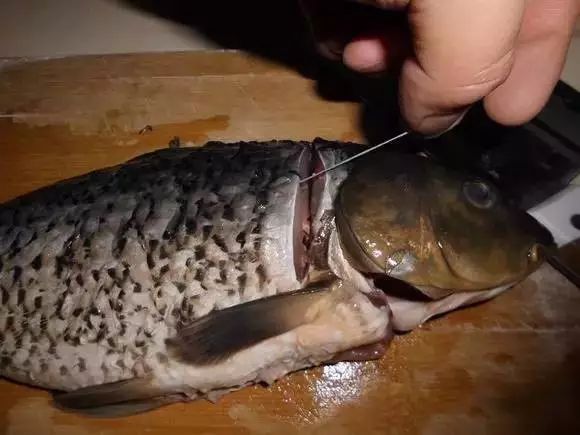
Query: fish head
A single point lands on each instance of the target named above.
(406, 217)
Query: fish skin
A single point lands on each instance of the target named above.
(96, 272)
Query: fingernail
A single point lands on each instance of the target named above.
(436, 121)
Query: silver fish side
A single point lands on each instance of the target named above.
(96, 272)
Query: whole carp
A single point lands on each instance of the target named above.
(188, 273)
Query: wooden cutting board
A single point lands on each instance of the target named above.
(509, 366)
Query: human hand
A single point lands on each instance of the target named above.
(453, 53)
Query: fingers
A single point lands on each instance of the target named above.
(382, 49)
(367, 55)
(463, 49)
(539, 58)
(462, 52)
(377, 52)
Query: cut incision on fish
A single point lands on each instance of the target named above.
(188, 273)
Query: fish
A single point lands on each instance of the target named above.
(188, 273)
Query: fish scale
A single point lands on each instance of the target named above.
(112, 262)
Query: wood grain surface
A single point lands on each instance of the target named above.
(509, 366)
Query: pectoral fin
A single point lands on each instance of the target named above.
(220, 334)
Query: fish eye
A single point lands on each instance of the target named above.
(479, 194)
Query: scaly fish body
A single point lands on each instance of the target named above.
(183, 273)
